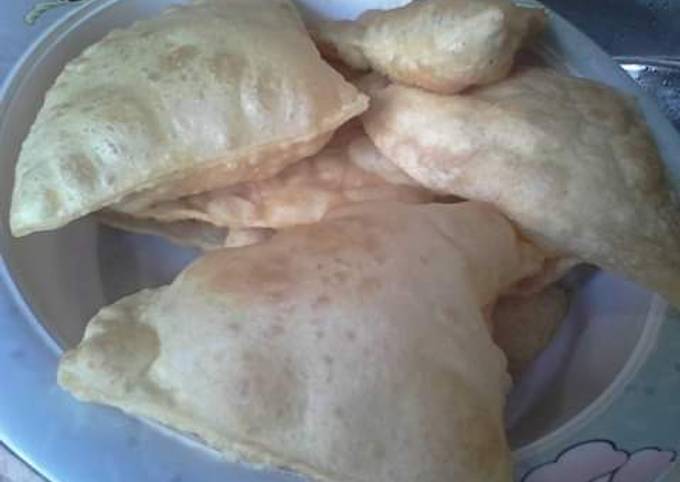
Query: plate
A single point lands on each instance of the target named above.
(52, 283)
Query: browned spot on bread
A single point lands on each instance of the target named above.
(370, 284)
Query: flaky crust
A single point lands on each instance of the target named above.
(354, 349)
(205, 95)
(348, 170)
(569, 160)
(439, 45)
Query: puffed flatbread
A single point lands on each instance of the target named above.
(523, 326)
(354, 349)
(440, 45)
(569, 160)
(348, 170)
(205, 95)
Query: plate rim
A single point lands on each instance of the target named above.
(81, 13)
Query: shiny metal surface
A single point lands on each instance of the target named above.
(639, 28)
(660, 77)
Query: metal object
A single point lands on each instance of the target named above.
(64, 275)
(660, 77)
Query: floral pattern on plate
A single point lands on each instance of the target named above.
(603, 461)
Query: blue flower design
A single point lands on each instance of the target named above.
(603, 461)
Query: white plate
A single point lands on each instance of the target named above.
(66, 275)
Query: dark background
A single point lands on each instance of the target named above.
(626, 27)
(643, 35)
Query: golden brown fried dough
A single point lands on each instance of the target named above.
(205, 95)
(349, 170)
(351, 349)
(439, 45)
(569, 160)
(524, 325)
